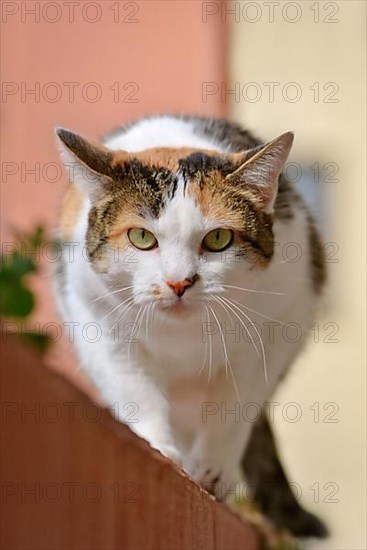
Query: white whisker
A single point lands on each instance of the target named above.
(258, 334)
(258, 313)
(210, 348)
(242, 323)
(140, 323)
(150, 306)
(228, 364)
(255, 291)
(117, 307)
(111, 293)
(130, 305)
(206, 345)
(134, 324)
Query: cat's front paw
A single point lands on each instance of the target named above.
(213, 482)
(213, 477)
(171, 452)
(162, 442)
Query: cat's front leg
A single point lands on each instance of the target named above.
(215, 457)
(136, 397)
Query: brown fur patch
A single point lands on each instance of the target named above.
(124, 222)
(70, 211)
(117, 237)
(236, 208)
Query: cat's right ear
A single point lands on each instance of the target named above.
(89, 164)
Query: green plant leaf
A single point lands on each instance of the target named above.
(15, 300)
(41, 342)
(21, 266)
(38, 237)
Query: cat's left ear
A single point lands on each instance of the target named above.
(90, 165)
(260, 169)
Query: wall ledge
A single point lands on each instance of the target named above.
(75, 478)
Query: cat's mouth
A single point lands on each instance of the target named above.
(175, 308)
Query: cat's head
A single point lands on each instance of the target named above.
(174, 223)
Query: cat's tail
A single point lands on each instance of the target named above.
(272, 491)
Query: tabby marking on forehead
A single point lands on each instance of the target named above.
(161, 157)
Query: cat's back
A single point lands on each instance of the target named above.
(176, 131)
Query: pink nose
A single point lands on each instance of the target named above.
(180, 287)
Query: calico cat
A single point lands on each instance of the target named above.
(182, 224)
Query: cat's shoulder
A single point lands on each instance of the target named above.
(173, 130)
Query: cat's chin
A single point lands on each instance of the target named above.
(177, 310)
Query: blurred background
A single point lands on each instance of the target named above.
(272, 66)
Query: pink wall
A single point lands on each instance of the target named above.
(164, 48)
(167, 55)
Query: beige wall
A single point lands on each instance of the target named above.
(306, 52)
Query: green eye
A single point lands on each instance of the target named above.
(142, 238)
(218, 239)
